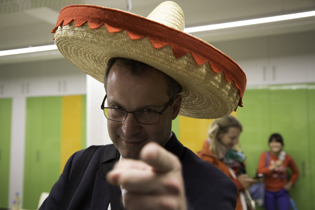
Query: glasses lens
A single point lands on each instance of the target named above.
(147, 117)
(115, 114)
(142, 117)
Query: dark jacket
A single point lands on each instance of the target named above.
(206, 186)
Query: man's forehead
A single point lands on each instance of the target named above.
(145, 72)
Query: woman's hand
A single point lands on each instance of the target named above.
(276, 165)
(288, 186)
(245, 181)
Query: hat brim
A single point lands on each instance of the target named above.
(88, 36)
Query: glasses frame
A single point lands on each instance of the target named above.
(169, 103)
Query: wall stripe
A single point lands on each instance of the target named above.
(17, 148)
(71, 124)
(5, 139)
(96, 123)
(83, 122)
(175, 126)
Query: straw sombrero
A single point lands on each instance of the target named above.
(88, 36)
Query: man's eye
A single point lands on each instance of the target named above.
(116, 107)
(148, 111)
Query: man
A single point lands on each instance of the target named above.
(150, 78)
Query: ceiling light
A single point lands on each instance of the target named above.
(28, 50)
(250, 22)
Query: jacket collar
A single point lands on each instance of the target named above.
(109, 156)
(175, 147)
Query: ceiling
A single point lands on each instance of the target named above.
(25, 23)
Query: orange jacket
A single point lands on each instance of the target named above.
(206, 155)
(276, 179)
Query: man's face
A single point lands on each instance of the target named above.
(133, 93)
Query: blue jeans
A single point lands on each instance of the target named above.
(280, 198)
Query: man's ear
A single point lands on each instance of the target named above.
(176, 106)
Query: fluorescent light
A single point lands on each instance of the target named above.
(249, 22)
(28, 50)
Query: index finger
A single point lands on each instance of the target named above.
(159, 158)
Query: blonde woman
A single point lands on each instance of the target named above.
(220, 149)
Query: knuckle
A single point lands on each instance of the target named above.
(168, 203)
(173, 185)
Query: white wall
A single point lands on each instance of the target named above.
(31, 79)
(47, 78)
(278, 59)
(41, 78)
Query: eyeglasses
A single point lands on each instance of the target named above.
(145, 116)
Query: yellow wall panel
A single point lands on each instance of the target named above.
(71, 127)
(193, 132)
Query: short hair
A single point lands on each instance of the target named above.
(277, 137)
(137, 68)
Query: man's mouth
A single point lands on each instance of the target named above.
(132, 142)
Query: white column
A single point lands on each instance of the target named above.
(17, 148)
(96, 123)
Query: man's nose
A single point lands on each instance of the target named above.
(130, 126)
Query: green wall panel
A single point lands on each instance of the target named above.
(42, 147)
(289, 117)
(286, 109)
(311, 148)
(254, 117)
(5, 139)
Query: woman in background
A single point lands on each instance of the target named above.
(221, 150)
(276, 181)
